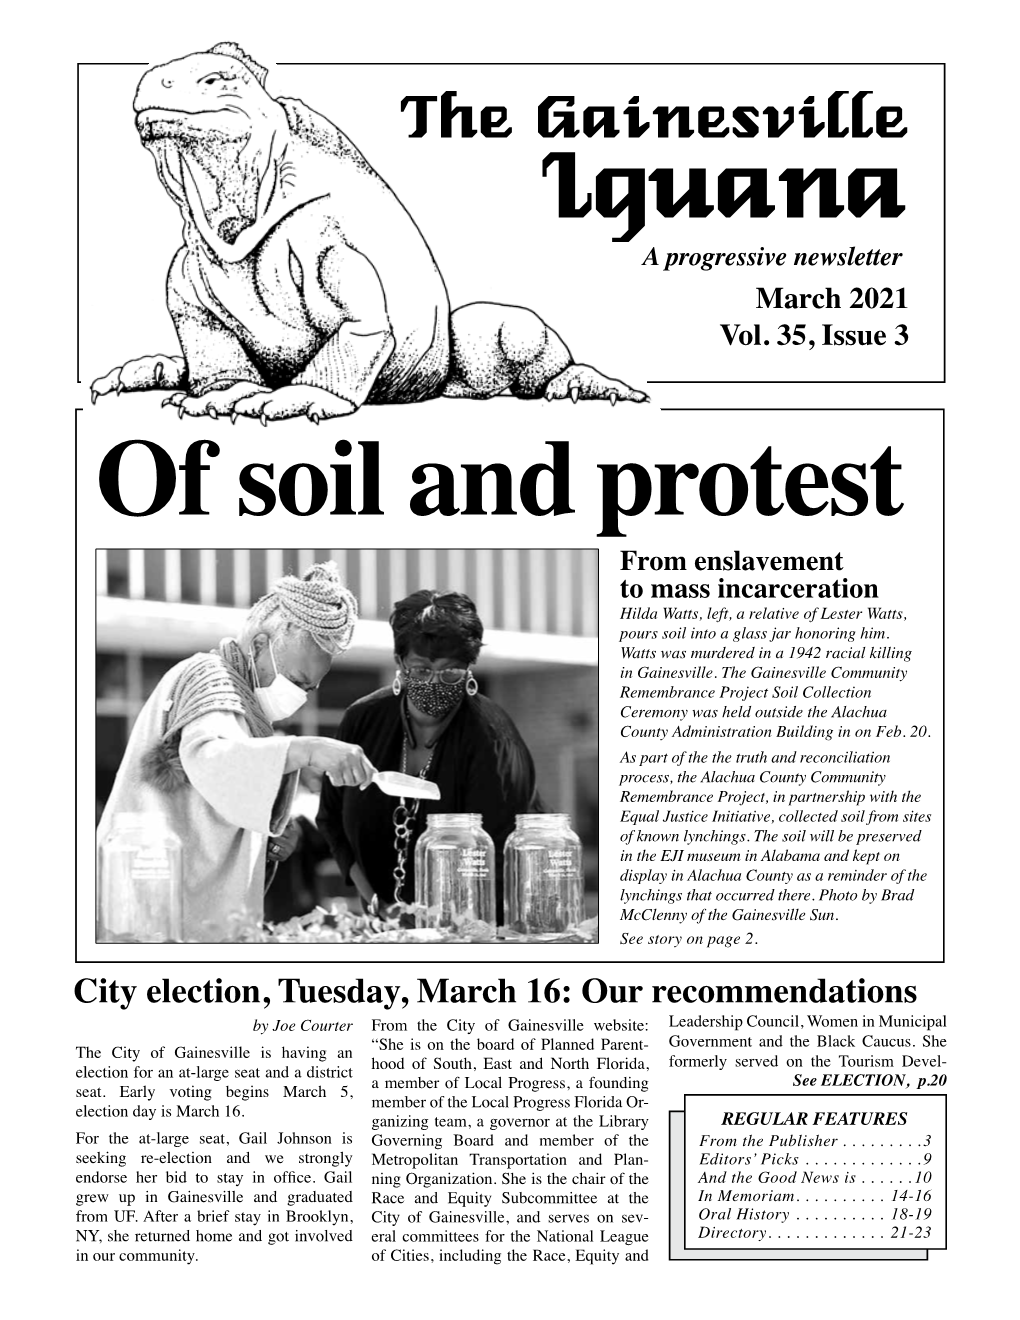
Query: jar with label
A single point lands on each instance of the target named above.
(140, 899)
(454, 871)
(543, 876)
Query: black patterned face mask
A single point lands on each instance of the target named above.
(437, 700)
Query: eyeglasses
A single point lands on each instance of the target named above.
(448, 677)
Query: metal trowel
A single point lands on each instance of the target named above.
(393, 783)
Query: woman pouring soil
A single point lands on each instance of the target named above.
(432, 723)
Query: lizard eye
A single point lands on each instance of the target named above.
(212, 78)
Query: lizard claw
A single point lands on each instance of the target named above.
(144, 373)
(290, 401)
(211, 410)
(169, 402)
(582, 382)
(180, 409)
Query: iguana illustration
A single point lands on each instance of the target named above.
(304, 288)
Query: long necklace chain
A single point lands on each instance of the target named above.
(403, 825)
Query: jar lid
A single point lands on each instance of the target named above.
(454, 818)
(532, 820)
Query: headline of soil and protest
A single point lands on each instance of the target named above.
(627, 490)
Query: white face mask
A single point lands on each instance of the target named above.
(281, 698)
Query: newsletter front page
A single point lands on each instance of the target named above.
(534, 565)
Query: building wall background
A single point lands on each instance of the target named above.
(516, 590)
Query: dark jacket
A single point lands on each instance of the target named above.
(480, 763)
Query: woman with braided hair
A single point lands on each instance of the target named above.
(203, 754)
(432, 722)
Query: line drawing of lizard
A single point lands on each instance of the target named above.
(303, 286)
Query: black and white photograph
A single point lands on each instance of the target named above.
(385, 745)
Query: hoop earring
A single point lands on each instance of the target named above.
(397, 685)
(471, 686)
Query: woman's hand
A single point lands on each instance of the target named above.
(359, 880)
(369, 898)
(282, 846)
(345, 764)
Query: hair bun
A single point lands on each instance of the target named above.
(326, 570)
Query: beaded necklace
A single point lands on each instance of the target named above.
(403, 824)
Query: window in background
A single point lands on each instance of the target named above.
(111, 676)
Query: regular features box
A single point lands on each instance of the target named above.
(781, 1172)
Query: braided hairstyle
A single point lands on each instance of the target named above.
(317, 603)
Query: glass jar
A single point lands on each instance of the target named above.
(140, 899)
(454, 871)
(543, 877)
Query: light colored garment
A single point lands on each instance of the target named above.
(235, 796)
